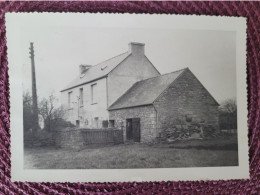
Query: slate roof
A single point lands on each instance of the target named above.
(98, 71)
(146, 91)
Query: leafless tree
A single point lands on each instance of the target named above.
(27, 111)
(50, 113)
(228, 114)
(229, 106)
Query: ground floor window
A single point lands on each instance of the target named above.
(111, 123)
(96, 122)
(105, 124)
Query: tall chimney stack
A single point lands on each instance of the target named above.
(34, 92)
(136, 48)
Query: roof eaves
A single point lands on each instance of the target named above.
(84, 83)
(127, 107)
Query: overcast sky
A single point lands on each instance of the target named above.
(63, 43)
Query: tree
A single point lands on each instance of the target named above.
(27, 112)
(228, 114)
(50, 113)
(229, 106)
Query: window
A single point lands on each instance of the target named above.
(94, 93)
(112, 123)
(81, 96)
(70, 99)
(96, 122)
(105, 124)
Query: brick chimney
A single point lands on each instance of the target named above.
(83, 68)
(136, 48)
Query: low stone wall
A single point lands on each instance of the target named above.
(77, 138)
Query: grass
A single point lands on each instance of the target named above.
(188, 153)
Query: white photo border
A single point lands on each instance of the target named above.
(18, 173)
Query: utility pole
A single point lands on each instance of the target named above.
(34, 92)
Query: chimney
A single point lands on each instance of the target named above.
(136, 48)
(83, 68)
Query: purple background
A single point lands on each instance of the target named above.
(251, 10)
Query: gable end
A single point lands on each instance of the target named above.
(170, 85)
(175, 82)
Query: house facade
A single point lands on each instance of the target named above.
(152, 107)
(89, 95)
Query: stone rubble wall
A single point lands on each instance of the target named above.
(186, 109)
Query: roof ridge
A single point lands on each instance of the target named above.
(163, 74)
(109, 59)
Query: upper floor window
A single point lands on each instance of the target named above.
(81, 96)
(94, 93)
(70, 99)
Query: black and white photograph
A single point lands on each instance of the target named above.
(127, 97)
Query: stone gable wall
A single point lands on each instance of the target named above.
(147, 117)
(185, 101)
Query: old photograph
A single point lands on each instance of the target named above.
(109, 92)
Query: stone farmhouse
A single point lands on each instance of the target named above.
(129, 93)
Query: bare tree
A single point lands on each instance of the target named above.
(229, 106)
(50, 113)
(228, 114)
(27, 112)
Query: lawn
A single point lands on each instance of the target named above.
(188, 153)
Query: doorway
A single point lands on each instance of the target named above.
(77, 123)
(133, 129)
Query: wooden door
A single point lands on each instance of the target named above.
(136, 129)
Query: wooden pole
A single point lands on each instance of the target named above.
(34, 91)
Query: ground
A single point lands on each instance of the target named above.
(189, 153)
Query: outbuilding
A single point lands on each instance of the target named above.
(148, 109)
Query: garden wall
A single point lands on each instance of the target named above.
(77, 138)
